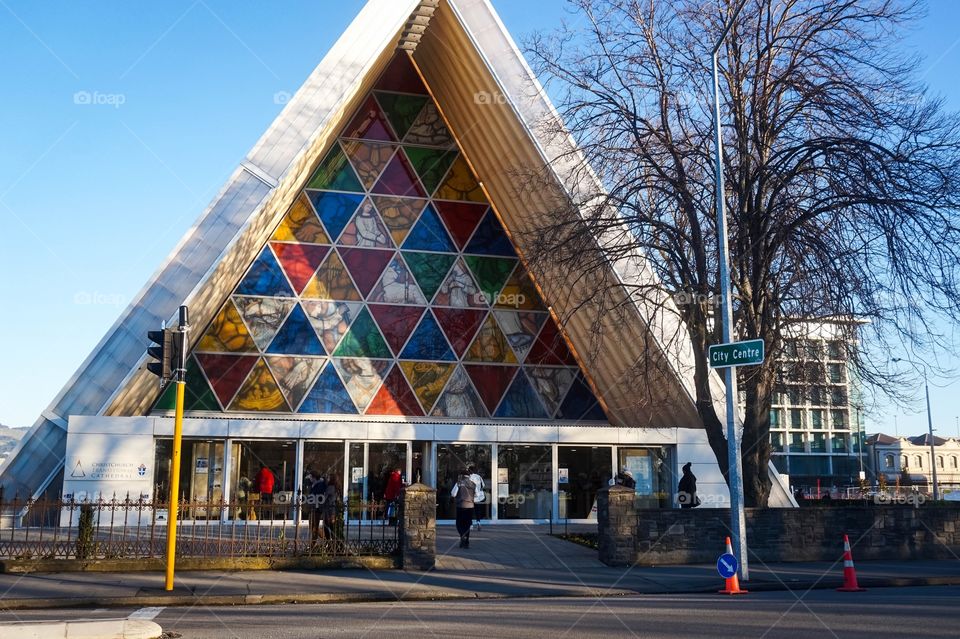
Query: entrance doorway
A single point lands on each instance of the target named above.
(451, 459)
(370, 463)
(581, 472)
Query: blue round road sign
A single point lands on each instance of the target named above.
(727, 565)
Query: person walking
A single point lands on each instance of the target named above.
(331, 505)
(463, 492)
(687, 489)
(315, 498)
(479, 497)
(391, 494)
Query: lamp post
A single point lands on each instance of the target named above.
(735, 469)
(933, 452)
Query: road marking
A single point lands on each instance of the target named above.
(146, 614)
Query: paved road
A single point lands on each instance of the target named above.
(929, 612)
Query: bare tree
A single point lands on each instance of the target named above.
(842, 174)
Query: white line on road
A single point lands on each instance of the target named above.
(146, 614)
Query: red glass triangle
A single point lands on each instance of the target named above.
(399, 178)
(369, 123)
(550, 349)
(226, 372)
(395, 397)
(365, 265)
(461, 219)
(396, 323)
(299, 261)
(460, 325)
(401, 76)
(491, 382)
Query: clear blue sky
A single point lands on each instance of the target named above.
(94, 196)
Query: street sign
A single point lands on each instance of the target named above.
(736, 354)
(727, 565)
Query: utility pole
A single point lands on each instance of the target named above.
(933, 450)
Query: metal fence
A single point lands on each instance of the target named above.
(128, 528)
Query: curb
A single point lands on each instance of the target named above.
(434, 595)
(107, 629)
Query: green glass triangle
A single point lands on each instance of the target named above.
(429, 269)
(196, 396)
(363, 340)
(491, 273)
(430, 164)
(401, 110)
(335, 174)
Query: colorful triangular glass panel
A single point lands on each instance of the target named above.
(265, 277)
(580, 403)
(335, 173)
(260, 392)
(460, 289)
(519, 293)
(299, 261)
(301, 224)
(363, 340)
(400, 75)
(297, 337)
(335, 209)
(491, 381)
(521, 401)
(197, 395)
(461, 218)
(362, 377)
(429, 234)
(552, 384)
(396, 286)
(427, 380)
(366, 229)
(401, 110)
(550, 348)
(490, 238)
(263, 316)
(331, 282)
(365, 265)
(490, 345)
(396, 322)
(399, 214)
(368, 158)
(369, 123)
(399, 179)
(429, 129)
(429, 269)
(395, 397)
(295, 375)
(459, 398)
(427, 342)
(460, 325)
(430, 164)
(227, 333)
(460, 184)
(226, 373)
(328, 395)
(521, 329)
(331, 319)
(491, 274)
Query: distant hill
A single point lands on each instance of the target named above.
(9, 437)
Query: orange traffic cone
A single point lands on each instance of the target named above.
(732, 586)
(849, 572)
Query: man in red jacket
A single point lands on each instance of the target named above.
(392, 494)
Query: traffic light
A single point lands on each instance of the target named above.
(163, 351)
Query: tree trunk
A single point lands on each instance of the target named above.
(755, 445)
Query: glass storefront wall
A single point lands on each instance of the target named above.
(451, 458)
(652, 470)
(581, 472)
(524, 481)
(253, 463)
(201, 476)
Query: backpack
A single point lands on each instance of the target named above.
(478, 496)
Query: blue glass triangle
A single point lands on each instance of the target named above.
(521, 400)
(335, 209)
(429, 234)
(265, 278)
(580, 403)
(428, 342)
(296, 336)
(490, 238)
(328, 395)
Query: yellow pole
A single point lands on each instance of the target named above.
(174, 486)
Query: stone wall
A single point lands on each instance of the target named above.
(419, 534)
(617, 525)
(797, 534)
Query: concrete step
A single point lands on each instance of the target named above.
(105, 629)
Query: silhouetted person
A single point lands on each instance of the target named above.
(687, 490)
(463, 492)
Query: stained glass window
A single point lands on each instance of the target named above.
(389, 287)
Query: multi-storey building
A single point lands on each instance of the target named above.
(906, 461)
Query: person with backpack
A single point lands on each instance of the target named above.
(463, 492)
(315, 497)
(479, 497)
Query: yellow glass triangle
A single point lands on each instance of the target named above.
(490, 345)
(227, 333)
(260, 392)
(331, 282)
(428, 380)
(301, 224)
(460, 184)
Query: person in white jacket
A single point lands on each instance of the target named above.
(479, 497)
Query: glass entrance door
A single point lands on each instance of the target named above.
(581, 472)
(451, 459)
(370, 463)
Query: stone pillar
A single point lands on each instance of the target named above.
(419, 534)
(617, 525)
